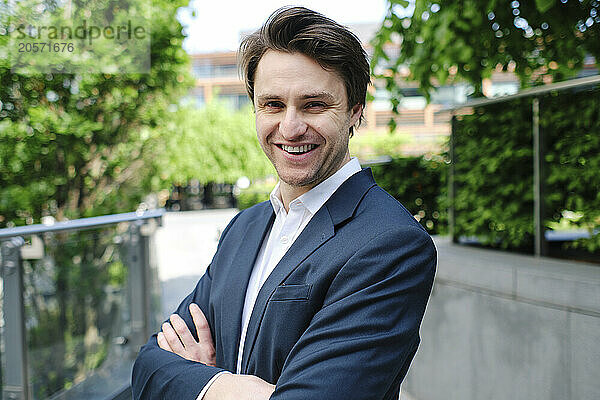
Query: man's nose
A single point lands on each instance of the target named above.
(292, 126)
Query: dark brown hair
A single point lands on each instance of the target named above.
(300, 30)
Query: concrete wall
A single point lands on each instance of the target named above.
(504, 326)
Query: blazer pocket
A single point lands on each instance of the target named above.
(291, 292)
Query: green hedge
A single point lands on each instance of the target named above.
(419, 183)
(256, 193)
(494, 169)
(247, 199)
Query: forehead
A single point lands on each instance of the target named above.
(295, 74)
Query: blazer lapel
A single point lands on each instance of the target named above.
(238, 278)
(340, 207)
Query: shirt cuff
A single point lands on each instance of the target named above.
(207, 386)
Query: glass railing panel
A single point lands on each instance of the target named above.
(76, 311)
(2, 328)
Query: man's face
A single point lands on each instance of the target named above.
(302, 117)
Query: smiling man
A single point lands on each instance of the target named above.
(318, 293)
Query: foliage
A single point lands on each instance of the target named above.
(369, 145)
(572, 122)
(75, 145)
(419, 183)
(213, 144)
(448, 41)
(493, 175)
(494, 169)
(103, 36)
(255, 194)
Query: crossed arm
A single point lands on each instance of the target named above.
(177, 338)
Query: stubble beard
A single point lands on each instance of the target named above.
(315, 177)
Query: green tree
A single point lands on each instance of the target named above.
(367, 145)
(80, 144)
(211, 144)
(448, 41)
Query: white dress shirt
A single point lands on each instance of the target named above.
(286, 228)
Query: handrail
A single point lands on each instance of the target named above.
(534, 91)
(82, 223)
(141, 320)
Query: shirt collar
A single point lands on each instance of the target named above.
(275, 198)
(314, 199)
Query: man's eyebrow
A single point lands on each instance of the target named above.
(319, 95)
(316, 95)
(264, 97)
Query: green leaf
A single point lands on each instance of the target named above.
(544, 5)
(403, 3)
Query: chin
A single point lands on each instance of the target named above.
(299, 180)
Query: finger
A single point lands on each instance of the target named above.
(172, 338)
(204, 337)
(202, 326)
(162, 342)
(182, 330)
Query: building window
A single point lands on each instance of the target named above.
(234, 101)
(203, 69)
(227, 70)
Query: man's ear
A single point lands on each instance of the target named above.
(356, 113)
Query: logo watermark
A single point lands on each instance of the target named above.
(98, 36)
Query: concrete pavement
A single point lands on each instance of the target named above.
(185, 245)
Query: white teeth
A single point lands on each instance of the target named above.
(298, 149)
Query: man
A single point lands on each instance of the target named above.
(318, 293)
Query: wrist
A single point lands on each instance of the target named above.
(218, 386)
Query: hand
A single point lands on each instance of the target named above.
(177, 338)
(239, 387)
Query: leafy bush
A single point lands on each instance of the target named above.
(419, 183)
(494, 175)
(255, 194)
(79, 145)
(494, 168)
(249, 198)
(370, 145)
(572, 122)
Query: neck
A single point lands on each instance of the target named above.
(289, 193)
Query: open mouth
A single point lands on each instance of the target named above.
(296, 150)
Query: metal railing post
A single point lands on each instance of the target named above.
(16, 380)
(137, 287)
(451, 183)
(140, 281)
(540, 246)
(153, 317)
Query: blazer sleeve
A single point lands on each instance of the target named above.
(360, 343)
(160, 374)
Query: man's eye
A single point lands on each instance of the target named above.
(274, 104)
(315, 105)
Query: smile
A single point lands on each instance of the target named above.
(298, 149)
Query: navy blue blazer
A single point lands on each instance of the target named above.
(338, 318)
